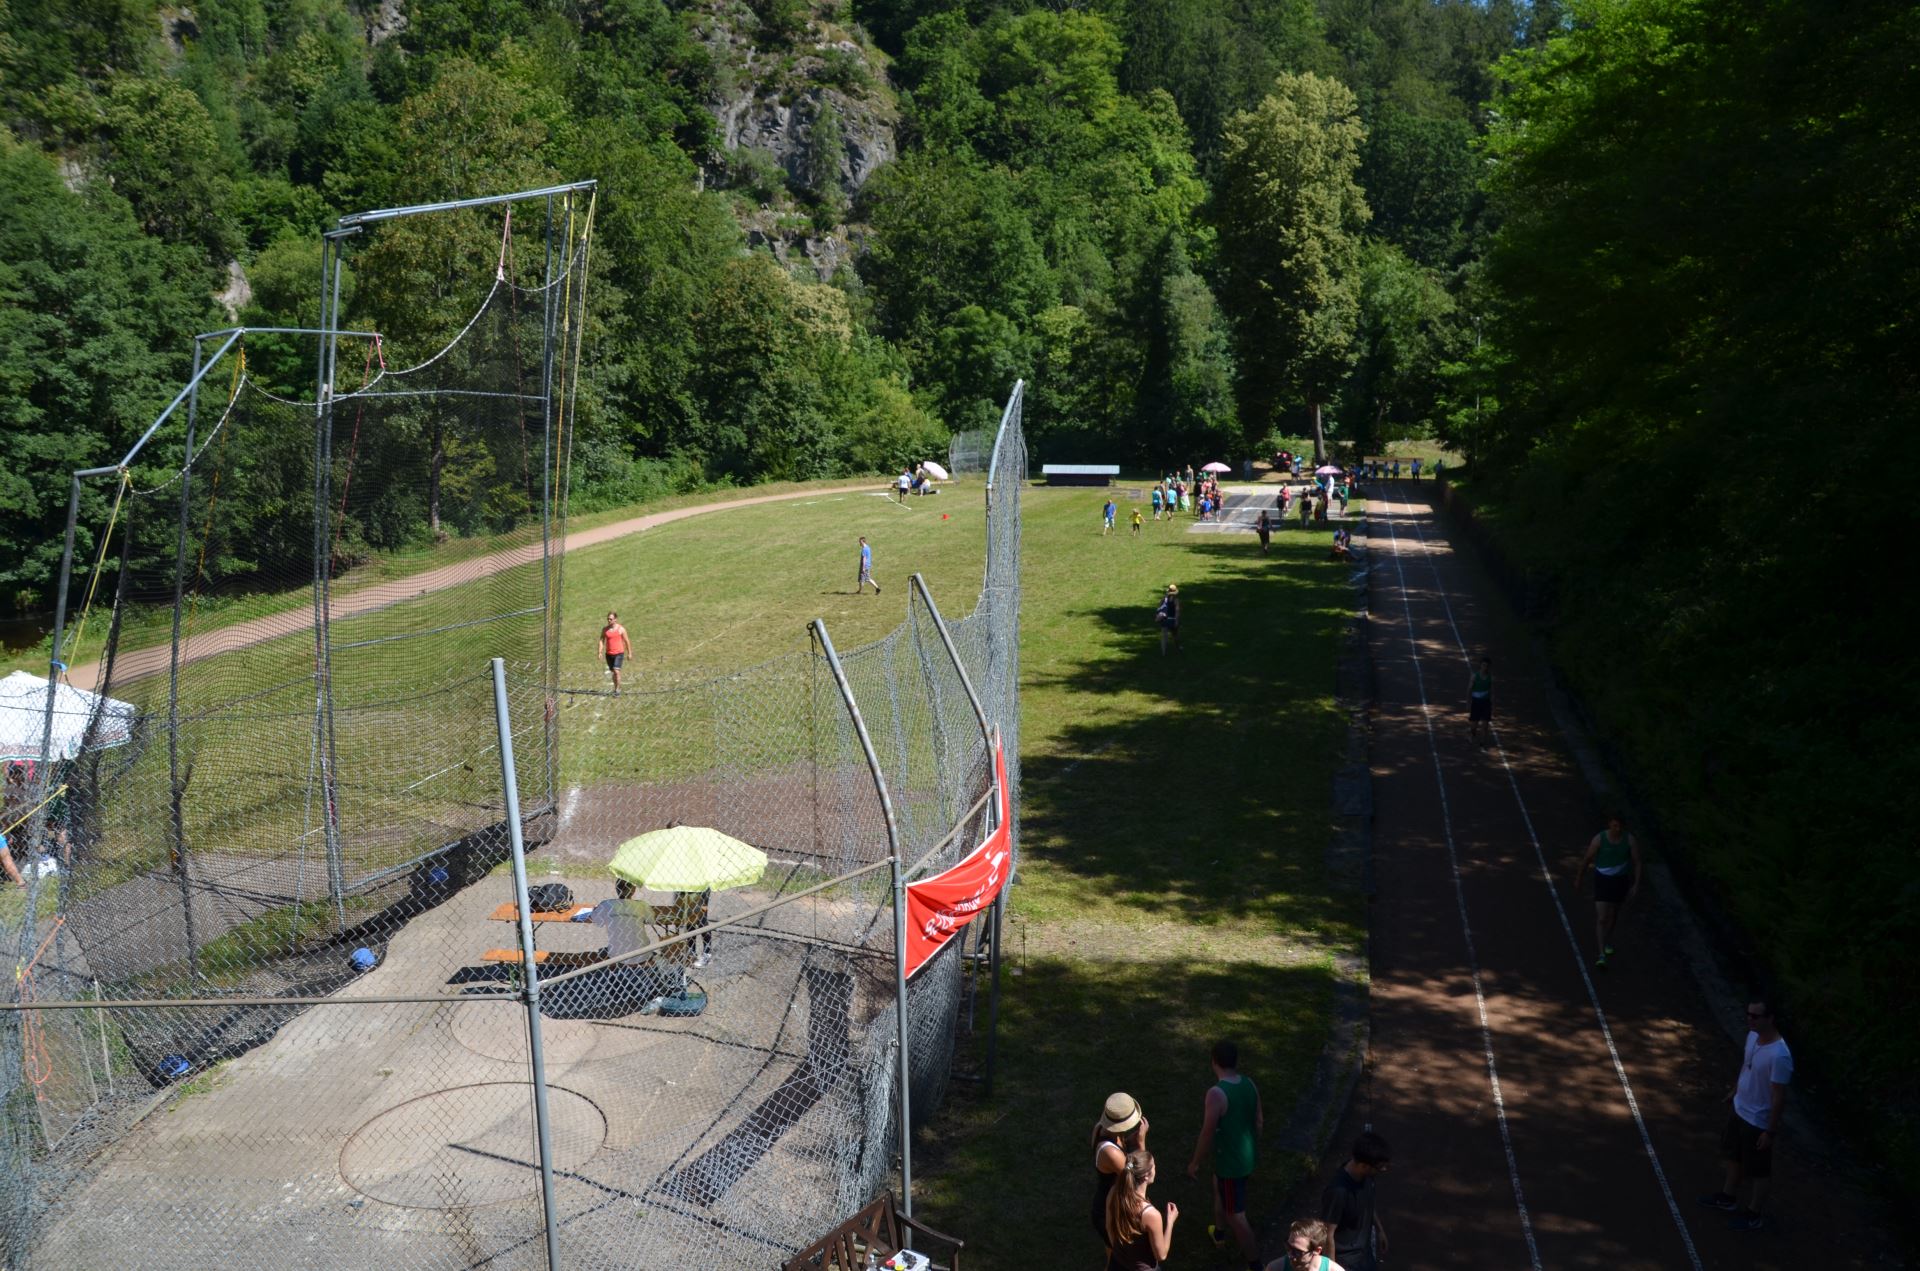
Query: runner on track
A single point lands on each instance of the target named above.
(1615, 857)
(1480, 701)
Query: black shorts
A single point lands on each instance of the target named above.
(1739, 1143)
(615, 661)
(1480, 709)
(1611, 889)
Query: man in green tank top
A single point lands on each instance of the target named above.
(1615, 857)
(1231, 1124)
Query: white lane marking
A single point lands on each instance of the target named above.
(1573, 941)
(1466, 927)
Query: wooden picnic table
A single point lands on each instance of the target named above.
(510, 912)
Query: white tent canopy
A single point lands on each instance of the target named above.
(23, 718)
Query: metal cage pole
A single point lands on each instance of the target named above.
(174, 782)
(819, 629)
(331, 268)
(1000, 900)
(531, 979)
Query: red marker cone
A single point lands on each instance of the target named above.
(943, 516)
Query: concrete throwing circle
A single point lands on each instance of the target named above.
(471, 1145)
(498, 1030)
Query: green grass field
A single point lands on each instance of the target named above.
(1175, 813)
(1173, 889)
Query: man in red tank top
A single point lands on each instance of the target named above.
(613, 647)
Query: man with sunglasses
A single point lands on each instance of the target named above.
(1759, 1097)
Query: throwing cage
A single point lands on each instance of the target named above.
(253, 1019)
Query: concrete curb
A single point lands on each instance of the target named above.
(1321, 1107)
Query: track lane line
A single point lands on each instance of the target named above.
(1466, 926)
(1566, 926)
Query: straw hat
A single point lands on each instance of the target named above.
(1173, 589)
(1121, 1114)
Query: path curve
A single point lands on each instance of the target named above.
(151, 660)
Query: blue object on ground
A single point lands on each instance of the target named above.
(173, 1067)
(363, 959)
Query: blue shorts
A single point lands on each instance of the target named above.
(614, 661)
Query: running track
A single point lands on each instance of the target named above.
(1541, 1114)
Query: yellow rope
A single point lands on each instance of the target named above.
(213, 497)
(80, 629)
(52, 794)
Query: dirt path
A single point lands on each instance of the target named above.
(1542, 1114)
(148, 661)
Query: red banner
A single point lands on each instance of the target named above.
(940, 907)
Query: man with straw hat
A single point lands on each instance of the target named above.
(1122, 1128)
(1168, 616)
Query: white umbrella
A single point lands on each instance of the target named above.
(1327, 470)
(23, 718)
(935, 471)
(1216, 466)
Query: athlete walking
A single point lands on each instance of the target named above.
(1615, 857)
(614, 645)
(866, 569)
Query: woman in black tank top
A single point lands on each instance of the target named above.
(1139, 1237)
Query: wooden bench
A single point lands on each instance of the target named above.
(876, 1228)
(540, 956)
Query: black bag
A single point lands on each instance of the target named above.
(549, 897)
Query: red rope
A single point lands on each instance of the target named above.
(39, 1065)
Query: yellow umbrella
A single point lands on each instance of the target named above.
(688, 858)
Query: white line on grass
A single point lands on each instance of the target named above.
(1573, 942)
(1466, 927)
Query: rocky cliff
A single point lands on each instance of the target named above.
(805, 121)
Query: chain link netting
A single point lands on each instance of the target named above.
(290, 877)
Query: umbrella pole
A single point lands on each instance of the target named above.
(531, 979)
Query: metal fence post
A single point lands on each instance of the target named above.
(819, 629)
(531, 979)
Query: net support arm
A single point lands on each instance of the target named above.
(819, 629)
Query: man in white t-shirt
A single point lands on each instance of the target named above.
(1759, 1097)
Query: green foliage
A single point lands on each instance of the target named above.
(1291, 213)
(158, 148)
(1403, 338)
(92, 313)
(1707, 245)
(826, 152)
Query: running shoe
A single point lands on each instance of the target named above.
(1213, 1234)
(1720, 1200)
(1601, 962)
(1609, 950)
(1746, 1220)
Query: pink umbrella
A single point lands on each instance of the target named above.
(1216, 466)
